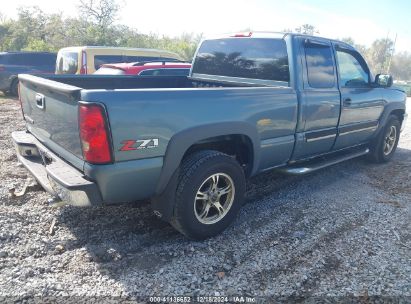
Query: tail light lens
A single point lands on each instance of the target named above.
(2, 68)
(94, 134)
(83, 68)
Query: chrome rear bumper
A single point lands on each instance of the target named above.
(55, 175)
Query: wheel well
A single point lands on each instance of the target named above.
(236, 145)
(399, 113)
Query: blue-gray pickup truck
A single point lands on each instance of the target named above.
(252, 102)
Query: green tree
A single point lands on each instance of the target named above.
(37, 31)
(101, 12)
(307, 29)
(348, 40)
(359, 47)
(379, 53)
(401, 66)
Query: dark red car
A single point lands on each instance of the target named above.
(146, 68)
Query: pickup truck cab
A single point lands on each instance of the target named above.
(253, 102)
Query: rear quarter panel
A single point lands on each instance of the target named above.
(163, 113)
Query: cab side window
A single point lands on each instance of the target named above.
(351, 70)
(320, 66)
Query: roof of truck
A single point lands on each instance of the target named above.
(277, 35)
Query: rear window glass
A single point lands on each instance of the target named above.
(320, 66)
(30, 59)
(43, 59)
(256, 58)
(67, 63)
(165, 72)
(109, 71)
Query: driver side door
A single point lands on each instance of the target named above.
(361, 103)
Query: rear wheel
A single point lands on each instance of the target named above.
(383, 148)
(209, 194)
(14, 87)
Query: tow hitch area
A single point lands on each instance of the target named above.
(55, 202)
(29, 185)
(32, 185)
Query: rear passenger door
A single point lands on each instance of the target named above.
(320, 99)
(362, 103)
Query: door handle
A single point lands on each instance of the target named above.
(347, 101)
(40, 100)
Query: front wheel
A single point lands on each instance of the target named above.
(209, 194)
(382, 150)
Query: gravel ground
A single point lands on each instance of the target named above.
(338, 233)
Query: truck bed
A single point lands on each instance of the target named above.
(109, 82)
(164, 109)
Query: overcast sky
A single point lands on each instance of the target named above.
(363, 20)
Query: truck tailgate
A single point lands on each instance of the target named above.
(51, 112)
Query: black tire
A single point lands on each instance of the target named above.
(14, 88)
(195, 170)
(377, 153)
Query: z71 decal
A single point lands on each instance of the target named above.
(130, 145)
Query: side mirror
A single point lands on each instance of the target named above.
(383, 80)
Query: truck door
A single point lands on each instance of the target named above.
(319, 99)
(362, 103)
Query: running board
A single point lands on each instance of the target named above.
(314, 165)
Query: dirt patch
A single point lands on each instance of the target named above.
(337, 233)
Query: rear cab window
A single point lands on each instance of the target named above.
(263, 59)
(39, 59)
(67, 62)
(45, 59)
(17, 59)
(320, 65)
(30, 59)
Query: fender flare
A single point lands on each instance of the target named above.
(182, 141)
(388, 109)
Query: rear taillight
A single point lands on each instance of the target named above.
(83, 68)
(94, 134)
(2, 68)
